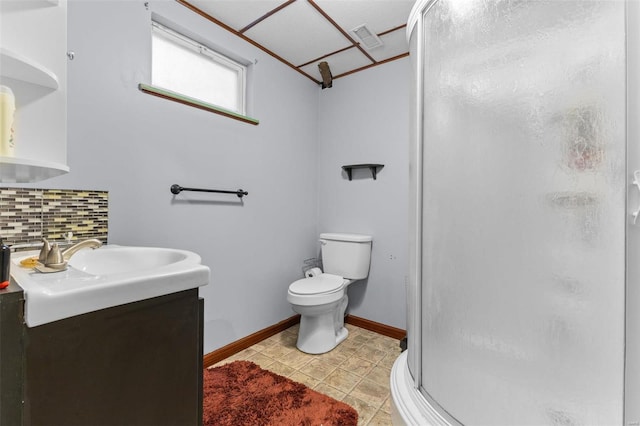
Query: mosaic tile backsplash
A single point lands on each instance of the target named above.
(27, 215)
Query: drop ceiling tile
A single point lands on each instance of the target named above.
(379, 15)
(234, 13)
(298, 33)
(339, 63)
(395, 43)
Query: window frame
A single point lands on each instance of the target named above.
(241, 70)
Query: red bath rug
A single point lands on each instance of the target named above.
(241, 393)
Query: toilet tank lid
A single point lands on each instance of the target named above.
(358, 238)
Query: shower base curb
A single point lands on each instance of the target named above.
(408, 406)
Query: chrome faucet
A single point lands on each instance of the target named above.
(70, 251)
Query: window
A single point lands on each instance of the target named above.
(184, 66)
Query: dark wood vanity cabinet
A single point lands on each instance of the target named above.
(135, 364)
(11, 354)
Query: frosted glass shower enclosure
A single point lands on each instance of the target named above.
(523, 285)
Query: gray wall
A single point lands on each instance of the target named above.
(364, 118)
(135, 146)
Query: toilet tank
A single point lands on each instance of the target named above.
(347, 255)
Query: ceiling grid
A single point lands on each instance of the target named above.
(307, 32)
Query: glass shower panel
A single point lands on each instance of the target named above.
(524, 211)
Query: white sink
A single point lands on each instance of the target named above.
(126, 259)
(108, 276)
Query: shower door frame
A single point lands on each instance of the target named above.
(632, 314)
(632, 234)
(431, 411)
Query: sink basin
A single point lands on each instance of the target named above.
(125, 259)
(108, 276)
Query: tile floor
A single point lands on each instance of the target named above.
(356, 372)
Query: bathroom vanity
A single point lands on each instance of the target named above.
(133, 364)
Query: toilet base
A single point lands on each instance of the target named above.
(342, 335)
(319, 343)
(322, 329)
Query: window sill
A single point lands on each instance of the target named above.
(186, 100)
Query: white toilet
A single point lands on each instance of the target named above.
(322, 300)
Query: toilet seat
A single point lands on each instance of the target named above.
(318, 290)
(320, 284)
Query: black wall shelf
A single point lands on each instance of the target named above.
(373, 167)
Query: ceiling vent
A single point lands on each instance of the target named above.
(367, 38)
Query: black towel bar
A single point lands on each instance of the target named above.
(176, 189)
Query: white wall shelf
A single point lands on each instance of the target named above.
(33, 64)
(19, 67)
(23, 170)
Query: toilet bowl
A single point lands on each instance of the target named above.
(322, 300)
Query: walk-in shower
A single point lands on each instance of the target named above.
(523, 293)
